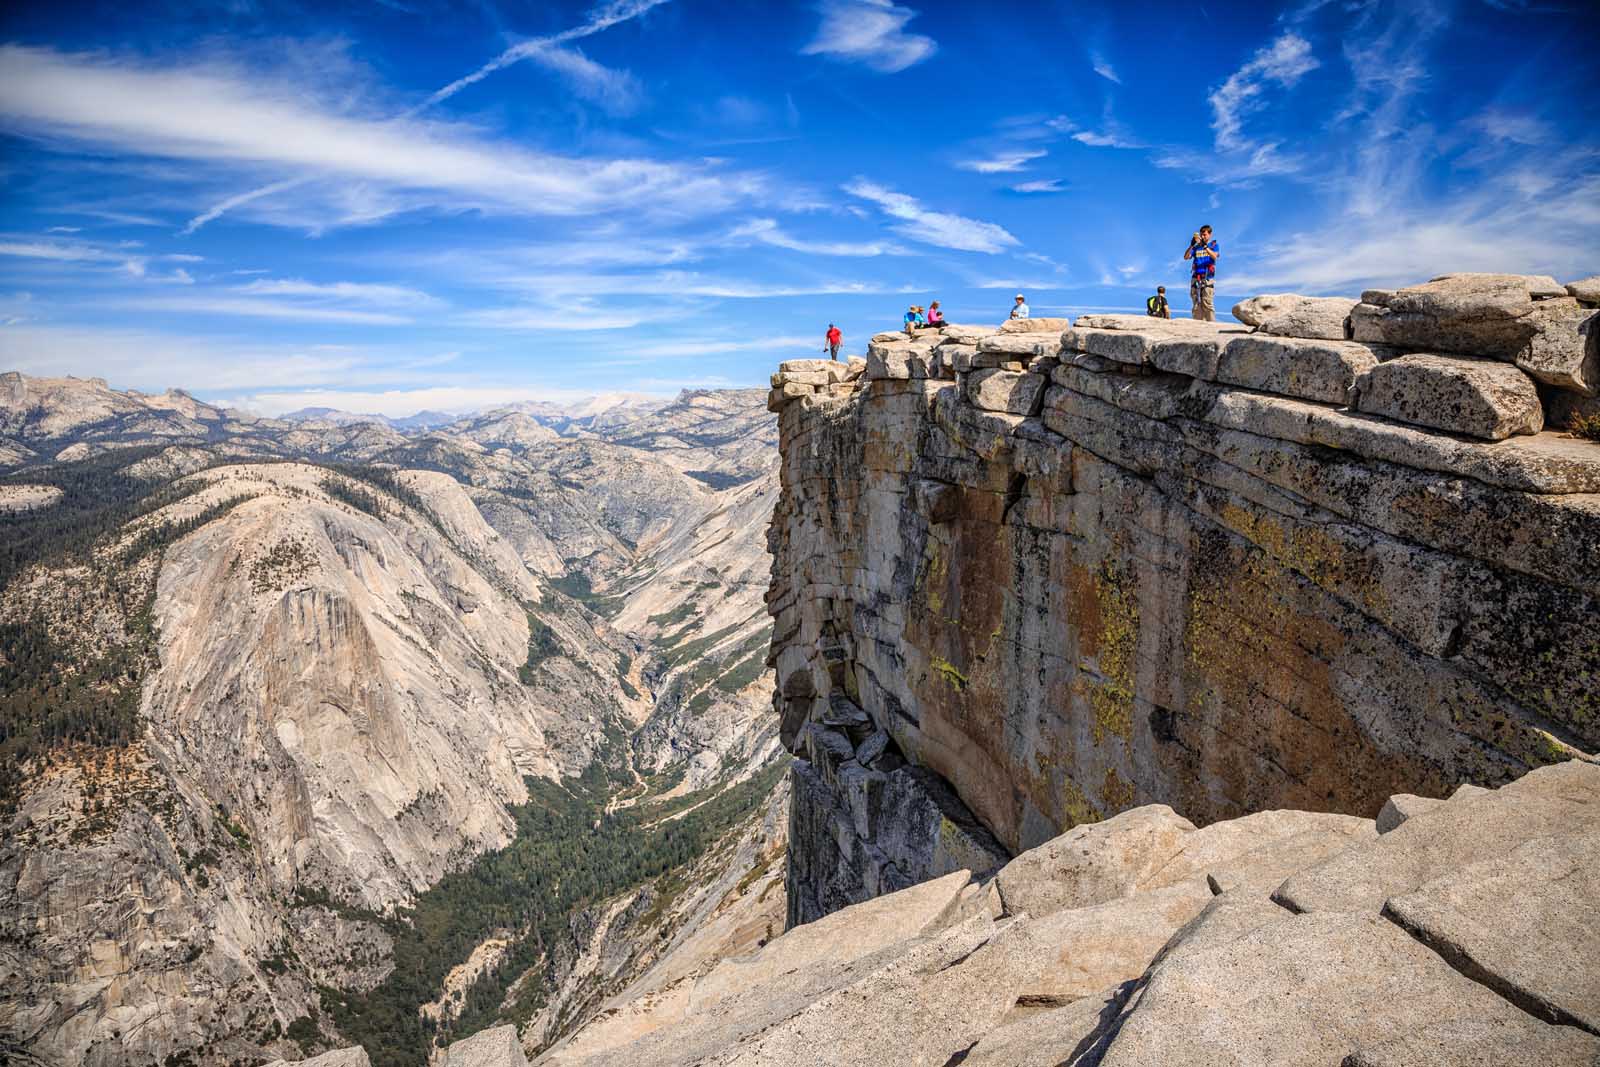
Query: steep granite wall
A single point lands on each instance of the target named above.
(1032, 577)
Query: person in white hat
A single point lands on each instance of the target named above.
(1020, 311)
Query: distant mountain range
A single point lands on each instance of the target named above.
(422, 420)
(587, 413)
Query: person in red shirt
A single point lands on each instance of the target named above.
(835, 339)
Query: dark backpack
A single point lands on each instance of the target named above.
(1155, 305)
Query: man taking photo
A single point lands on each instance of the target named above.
(1202, 281)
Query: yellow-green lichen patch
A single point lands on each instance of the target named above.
(1312, 552)
(934, 578)
(1117, 793)
(948, 672)
(1111, 695)
(1075, 807)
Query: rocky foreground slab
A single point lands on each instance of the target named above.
(1462, 935)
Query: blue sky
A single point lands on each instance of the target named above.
(402, 204)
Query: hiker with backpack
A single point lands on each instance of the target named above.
(1020, 309)
(1202, 279)
(1156, 306)
(835, 339)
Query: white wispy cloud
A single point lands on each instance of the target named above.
(678, 284)
(111, 214)
(1283, 63)
(1103, 67)
(1500, 124)
(1105, 139)
(206, 304)
(572, 317)
(227, 204)
(608, 246)
(933, 227)
(233, 121)
(1045, 185)
(588, 76)
(1007, 162)
(1019, 285)
(1535, 235)
(615, 91)
(1111, 134)
(1263, 161)
(768, 232)
(636, 353)
(870, 32)
(122, 256)
(62, 251)
(355, 292)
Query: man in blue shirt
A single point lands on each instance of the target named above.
(1202, 281)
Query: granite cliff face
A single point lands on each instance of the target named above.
(1026, 579)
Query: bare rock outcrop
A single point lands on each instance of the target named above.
(1478, 397)
(1136, 941)
(1472, 314)
(1586, 290)
(495, 1047)
(1291, 315)
(344, 1057)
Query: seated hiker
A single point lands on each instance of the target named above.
(935, 316)
(1020, 310)
(913, 319)
(1156, 306)
(835, 339)
(1203, 281)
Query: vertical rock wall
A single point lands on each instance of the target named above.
(1028, 579)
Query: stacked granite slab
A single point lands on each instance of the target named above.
(796, 378)
(1488, 354)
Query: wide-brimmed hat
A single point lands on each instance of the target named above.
(1021, 297)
